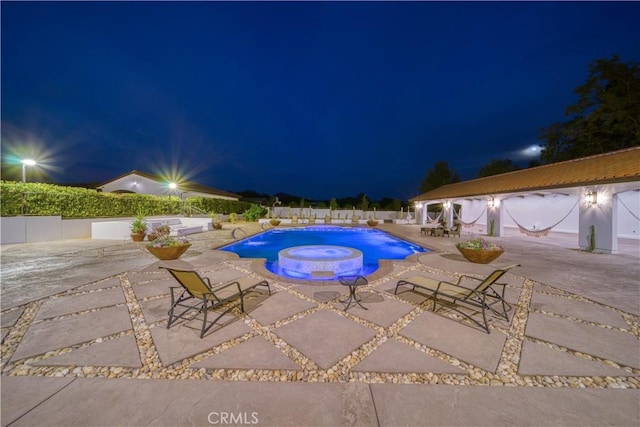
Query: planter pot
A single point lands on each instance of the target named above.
(168, 252)
(480, 256)
(217, 225)
(138, 237)
(372, 223)
(274, 222)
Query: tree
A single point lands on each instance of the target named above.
(438, 176)
(333, 204)
(364, 202)
(496, 167)
(605, 118)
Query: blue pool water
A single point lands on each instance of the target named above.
(373, 243)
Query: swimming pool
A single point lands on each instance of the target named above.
(374, 245)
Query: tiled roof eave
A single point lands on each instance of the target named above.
(608, 168)
(435, 195)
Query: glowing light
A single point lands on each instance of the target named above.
(592, 197)
(25, 163)
(173, 185)
(532, 151)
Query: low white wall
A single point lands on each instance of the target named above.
(111, 230)
(29, 229)
(121, 230)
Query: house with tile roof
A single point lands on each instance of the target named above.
(146, 183)
(596, 197)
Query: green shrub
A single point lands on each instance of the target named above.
(17, 198)
(254, 212)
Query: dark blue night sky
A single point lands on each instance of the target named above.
(321, 100)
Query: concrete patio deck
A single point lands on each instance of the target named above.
(85, 341)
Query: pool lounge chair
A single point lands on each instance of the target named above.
(198, 294)
(453, 231)
(483, 296)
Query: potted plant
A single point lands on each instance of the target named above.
(232, 217)
(372, 222)
(274, 221)
(159, 231)
(479, 250)
(138, 228)
(166, 247)
(216, 221)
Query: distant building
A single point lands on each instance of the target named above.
(146, 183)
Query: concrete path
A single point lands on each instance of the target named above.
(85, 341)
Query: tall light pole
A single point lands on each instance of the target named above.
(25, 163)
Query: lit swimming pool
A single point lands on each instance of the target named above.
(323, 252)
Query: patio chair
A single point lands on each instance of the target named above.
(453, 231)
(483, 296)
(198, 294)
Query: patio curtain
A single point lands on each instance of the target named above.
(627, 208)
(542, 231)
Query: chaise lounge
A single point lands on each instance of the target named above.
(483, 296)
(206, 297)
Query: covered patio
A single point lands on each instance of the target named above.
(595, 198)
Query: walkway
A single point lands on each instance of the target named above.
(84, 321)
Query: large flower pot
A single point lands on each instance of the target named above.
(480, 256)
(168, 252)
(138, 237)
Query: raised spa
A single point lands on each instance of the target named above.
(320, 261)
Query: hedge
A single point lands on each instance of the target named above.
(17, 198)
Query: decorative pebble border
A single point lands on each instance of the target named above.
(342, 371)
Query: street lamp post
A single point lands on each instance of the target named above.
(25, 163)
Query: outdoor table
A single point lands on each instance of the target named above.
(352, 282)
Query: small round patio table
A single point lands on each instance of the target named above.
(352, 282)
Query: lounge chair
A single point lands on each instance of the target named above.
(453, 231)
(194, 287)
(483, 296)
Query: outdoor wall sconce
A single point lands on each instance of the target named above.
(447, 204)
(592, 197)
(491, 203)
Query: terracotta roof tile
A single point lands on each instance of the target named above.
(617, 166)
